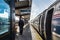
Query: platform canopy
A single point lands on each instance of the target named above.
(18, 5)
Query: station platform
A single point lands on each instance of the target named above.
(28, 34)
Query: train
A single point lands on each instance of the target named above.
(47, 23)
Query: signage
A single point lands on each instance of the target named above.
(56, 14)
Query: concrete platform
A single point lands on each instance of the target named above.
(28, 34)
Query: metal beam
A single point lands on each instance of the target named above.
(22, 14)
(22, 7)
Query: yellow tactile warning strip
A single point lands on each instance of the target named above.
(35, 35)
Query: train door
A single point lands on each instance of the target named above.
(42, 25)
(41, 22)
(48, 24)
(5, 20)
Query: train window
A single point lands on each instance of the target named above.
(56, 25)
(48, 24)
(4, 17)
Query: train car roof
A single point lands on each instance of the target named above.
(49, 7)
(53, 4)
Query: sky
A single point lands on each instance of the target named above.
(39, 6)
(4, 9)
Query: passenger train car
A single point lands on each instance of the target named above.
(47, 23)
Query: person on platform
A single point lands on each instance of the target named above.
(21, 24)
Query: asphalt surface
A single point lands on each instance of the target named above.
(26, 34)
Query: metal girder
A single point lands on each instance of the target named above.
(22, 7)
(21, 4)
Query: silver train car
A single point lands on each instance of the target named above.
(47, 23)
